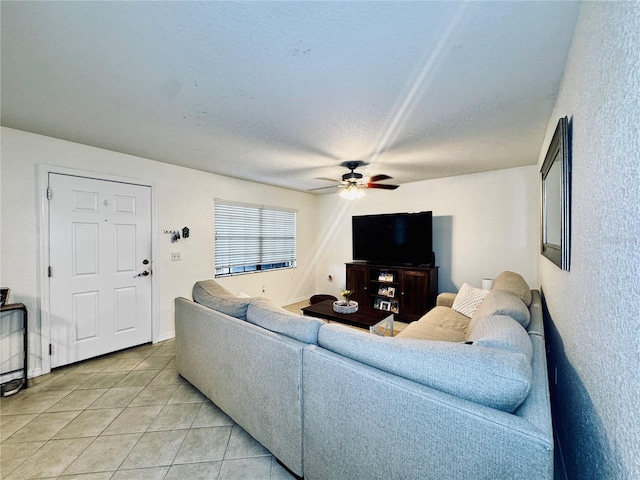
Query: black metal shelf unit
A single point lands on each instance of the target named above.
(13, 386)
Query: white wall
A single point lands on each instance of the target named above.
(483, 224)
(184, 197)
(594, 313)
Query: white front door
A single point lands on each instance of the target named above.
(100, 241)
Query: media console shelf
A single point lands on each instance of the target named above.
(407, 291)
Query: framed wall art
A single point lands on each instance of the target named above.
(555, 198)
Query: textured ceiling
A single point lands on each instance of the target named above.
(283, 92)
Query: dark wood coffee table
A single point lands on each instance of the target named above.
(365, 317)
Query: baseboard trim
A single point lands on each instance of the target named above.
(291, 301)
(559, 465)
(166, 336)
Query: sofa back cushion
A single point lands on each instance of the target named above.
(501, 332)
(213, 295)
(271, 317)
(501, 302)
(514, 283)
(486, 374)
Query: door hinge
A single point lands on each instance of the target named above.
(48, 193)
(49, 271)
(50, 349)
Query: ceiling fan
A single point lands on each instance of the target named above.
(353, 183)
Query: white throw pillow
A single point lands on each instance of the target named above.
(468, 299)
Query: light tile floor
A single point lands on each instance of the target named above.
(127, 415)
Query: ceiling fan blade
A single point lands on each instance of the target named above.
(354, 180)
(378, 178)
(382, 186)
(322, 188)
(332, 180)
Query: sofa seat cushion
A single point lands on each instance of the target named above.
(213, 295)
(439, 323)
(276, 319)
(514, 283)
(489, 375)
(501, 302)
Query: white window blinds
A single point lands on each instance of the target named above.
(251, 238)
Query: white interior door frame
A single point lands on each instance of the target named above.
(44, 260)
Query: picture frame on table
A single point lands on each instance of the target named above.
(394, 306)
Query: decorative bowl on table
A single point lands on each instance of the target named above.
(340, 306)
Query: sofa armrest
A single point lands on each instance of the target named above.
(445, 299)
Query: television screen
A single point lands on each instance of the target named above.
(395, 238)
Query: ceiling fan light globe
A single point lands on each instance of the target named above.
(352, 192)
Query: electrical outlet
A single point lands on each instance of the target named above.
(175, 256)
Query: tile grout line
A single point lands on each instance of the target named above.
(40, 414)
(182, 389)
(110, 423)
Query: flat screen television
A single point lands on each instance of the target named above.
(394, 238)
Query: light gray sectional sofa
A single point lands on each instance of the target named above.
(333, 402)
(245, 354)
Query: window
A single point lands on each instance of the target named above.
(253, 238)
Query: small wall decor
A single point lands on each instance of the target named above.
(555, 197)
(175, 234)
